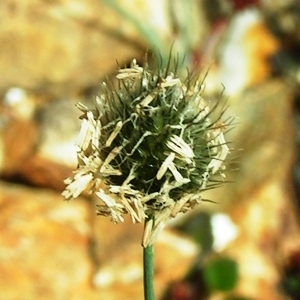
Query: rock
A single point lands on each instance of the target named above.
(56, 46)
(268, 234)
(62, 46)
(245, 52)
(52, 249)
(18, 141)
(260, 201)
(37, 150)
(44, 245)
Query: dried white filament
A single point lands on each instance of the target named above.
(115, 209)
(180, 147)
(134, 71)
(178, 177)
(85, 135)
(114, 134)
(77, 186)
(164, 166)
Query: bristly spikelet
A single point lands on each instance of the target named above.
(149, 147)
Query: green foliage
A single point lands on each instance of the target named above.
(221, 274)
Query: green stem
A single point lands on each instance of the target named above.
(154, 40)
(148, 272)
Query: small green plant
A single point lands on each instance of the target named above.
(221, 274)
(148, 148)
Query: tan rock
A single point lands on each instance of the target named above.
(260, 201)
(18, 140)
(59, 46)
(43, 245)
(52, 249)
(49, 45)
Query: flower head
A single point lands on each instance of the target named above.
(149, 148)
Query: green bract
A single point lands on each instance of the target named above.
(149, 147)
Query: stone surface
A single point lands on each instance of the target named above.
(240, 53)
(260, 201)
(52, 249)
(268, 234)
(47, 45)
(37, 145)
(43, 245)
(62, 46)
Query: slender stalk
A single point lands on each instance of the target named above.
(148, 262)
(157, 44)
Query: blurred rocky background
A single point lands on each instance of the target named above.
(54, 53)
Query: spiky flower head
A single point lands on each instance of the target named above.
(149, 147)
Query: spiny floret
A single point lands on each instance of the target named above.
(148, 148)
